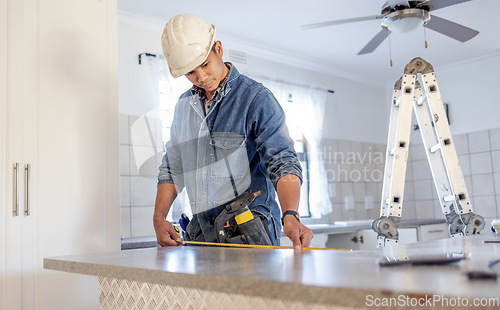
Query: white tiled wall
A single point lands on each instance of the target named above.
(479, 157)
(354, 173)
(138, 177)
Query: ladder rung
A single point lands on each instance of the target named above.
(434, 148)
(449, 198)
(420, 100)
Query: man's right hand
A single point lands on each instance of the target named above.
(166, 235)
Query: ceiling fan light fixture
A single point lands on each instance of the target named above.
(405, 25)
(406, 20)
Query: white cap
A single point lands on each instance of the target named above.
(186, 41)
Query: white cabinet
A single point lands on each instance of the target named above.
(18, 147)
(367, 238)
(433, 232)
(59, 115)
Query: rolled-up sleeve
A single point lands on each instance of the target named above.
(170, 170)
(273, 142)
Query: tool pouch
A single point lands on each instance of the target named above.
(193, 231)
(242, 226)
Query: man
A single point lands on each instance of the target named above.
(228, 137)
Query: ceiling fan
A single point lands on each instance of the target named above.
(401, 16)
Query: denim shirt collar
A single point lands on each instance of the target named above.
(231, 78)
(225, 89)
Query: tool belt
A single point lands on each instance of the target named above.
(236, 223)
(242, 226)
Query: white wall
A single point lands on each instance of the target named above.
(135, 87)
(355, 111)
(470, 90)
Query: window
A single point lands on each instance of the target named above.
(169, 91)
(300, 145)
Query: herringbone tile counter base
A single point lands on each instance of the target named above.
(119, 294)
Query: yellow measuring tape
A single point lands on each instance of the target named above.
(256, 246)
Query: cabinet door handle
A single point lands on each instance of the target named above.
(27, 198)
(15, 207)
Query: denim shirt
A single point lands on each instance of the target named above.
(241, 144)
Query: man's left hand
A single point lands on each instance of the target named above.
(297, 232)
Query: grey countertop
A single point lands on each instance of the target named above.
(337, 227)
(320, 276)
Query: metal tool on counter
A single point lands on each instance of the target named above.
(484, 274)
(436, 259)
(493, 263)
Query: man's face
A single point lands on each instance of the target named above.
(211, 72)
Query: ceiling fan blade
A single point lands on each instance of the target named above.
(451, 29)
(375, 42)
(439, 4)
(393, 3)
(340, 21)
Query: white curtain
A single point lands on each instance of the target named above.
(162, 94)
(304, 108)
(165, 90)
(145, 140)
